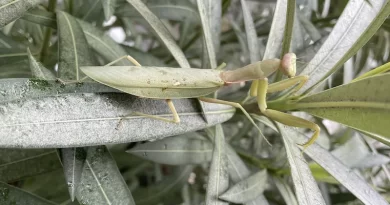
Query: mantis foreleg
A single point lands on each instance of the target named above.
(261, 92)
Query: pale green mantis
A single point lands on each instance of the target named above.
(175, 83)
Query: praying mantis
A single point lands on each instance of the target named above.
(175, 83)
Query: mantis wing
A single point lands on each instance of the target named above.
(157, 82)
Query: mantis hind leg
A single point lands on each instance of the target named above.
(128, 57)
(262, 88)
(236, 105)
(176, 118)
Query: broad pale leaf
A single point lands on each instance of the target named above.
(306, 188)
(354, 28)
(239, 171)
(346, 176)
(73, 163)
(76, 120)
(11, 10)
(162, 32)
(218, 175)
(363, 105)
(101, 180)
(184, 149)
(355, 154)
(73, 48)
(21, 88)
(247, 189)
(158, 192)
(13, 195)
(17, 164)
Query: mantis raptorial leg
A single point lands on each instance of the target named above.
(261, 89)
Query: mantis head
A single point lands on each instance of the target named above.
(288, 64)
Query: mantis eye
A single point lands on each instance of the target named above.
(288, 64)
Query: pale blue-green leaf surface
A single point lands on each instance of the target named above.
(184, 149)
(306, 188)
(74, 120)
(354, 28)
(101, 181)
(11, 10)
(18, 164)
(161, 31)
(13, 195)
(73, 163)
(73, 48)
(346, 176)
(247, 189)
(218, 181)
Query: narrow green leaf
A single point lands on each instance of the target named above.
(38, 70)
(246, 190)
(12, 195)
(11, 10)
(306, 188)
(145, 59)
(250, 30)
(345, 41)
(215, 17)
(179, 150)
(218, 176)
(17, 164)
(73, 48)
(17, 69)
(276, 34)
(73, 162)
(177, 10)
(239, 171)
(41, 17)
(103, 44)
(285, 191)
(9, 56)
(162, 32)
(381, 69)
(310, 28)
(208, 39)
(363, 105)
(109, 8)
(165, 188)
(346, 176)
(90, 11)
(78, 119)
(9, 44)
(101, 181)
